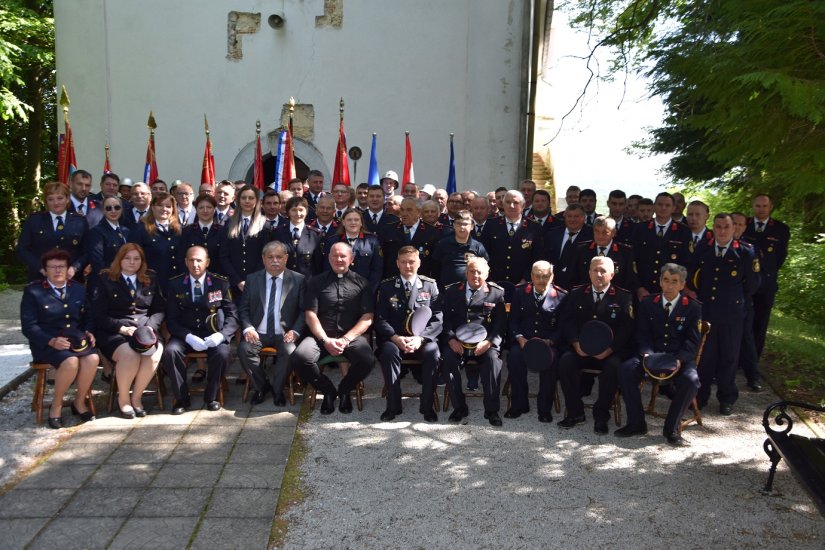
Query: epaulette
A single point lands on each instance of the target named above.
(521, 285)
(178, 276)
(429, 279)
(217, 276)
(453, 284)
(388, 279)
(494, 285)
(311, 228)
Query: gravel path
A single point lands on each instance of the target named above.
(409, 484)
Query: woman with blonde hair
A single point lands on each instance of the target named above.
(159, 236)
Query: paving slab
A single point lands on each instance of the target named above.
(47, 476)
(188, 475)
(117, 476)
(33, 503)
(155, 533)
(214, 453)
(243, 503)
(254, 453)
(252, 476)
(76, 534)
(144, 453)
(165, 502)
(91, 502)
(233, 533)
(18, 532)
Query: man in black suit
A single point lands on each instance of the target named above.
(617, 207)
(397, 298)
(193, 297)
(560, 245)
(612, 305)
(587, 198)
(409, 231)
(315, 183)
(604, 243)
(271, 316)
(375, 217)
(667, 322)
(133, 213)
(80, 186)
(513, 242)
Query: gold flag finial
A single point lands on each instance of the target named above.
(64, 99)
(205, 124)
(258, 127)
(151, 124)
(341, 108)
(291, 105)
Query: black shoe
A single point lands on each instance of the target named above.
(755, 387)
(569, 421)
(630, 431)
(84, 416)
(140, 413)
(328, 405)
(388, 415)
(213, 406)
(514, 413)
(545, 418)
(107, 378)
(725, 409)
(259, 396)
(55, 423)
(674, 438)
(345, 405)
(278, 399)
(493, 417)
(600, 427)
(179, 407)
(430, 416)
(459, 414)
(128, 415)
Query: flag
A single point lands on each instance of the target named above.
(66, 161)
(340, 173)
(373, 177)
(61, 157)
(107, 166)
(451, 176)
(150, 170)
(258, 178)
(208, 166)
(409, 173)
(284, 160)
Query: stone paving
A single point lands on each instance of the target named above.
(199, 480)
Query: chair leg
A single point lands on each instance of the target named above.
(159, 390)
(617, 408)
(359, 395)
(113, 390)
(775, 457)
(245, 395)
(39, 395)
(556, 399)
(290, 387)
(446, 400)
(90, 402)
(313, 396)
(654, 393)
(436, 403)
(507, 390)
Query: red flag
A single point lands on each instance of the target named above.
(150, 170)
(289, 166)
(208, 167)
(340, 173)
(61, 157)
(259, 165)
(66, 161)
(107, 167)
(409, 173)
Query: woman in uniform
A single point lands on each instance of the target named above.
(59, 328)
(368, 260)
(127, 298)
(105, 239)
(243, 240)
(204, 232)
(302, 241)
(159, 237)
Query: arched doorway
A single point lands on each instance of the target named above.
(301, 169)
(307, 157)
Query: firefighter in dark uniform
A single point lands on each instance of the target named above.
(54, 228)
(666, 322)
(770, 237)
(451, 253)
(205, 232)
(409, 231)
(397, 298)
(604, 243)
(303, 242)
(193, 298)
(368, 257)
(513, 242)
(158, 234)
(533, 314)
(602, 301)
(243, 240)
(657, 242)
(479, 302)
(726, 272)
(375, 217)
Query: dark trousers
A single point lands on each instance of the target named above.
(518, 383)
(305, 361)
(719, 360)
(762, 305)
(390, 358)
(570, 375)
(748, 357)
(489, 366)
(249, 354)
(685, 383)
(174, 365)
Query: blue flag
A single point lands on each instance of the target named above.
(373, 177)
(451, 177)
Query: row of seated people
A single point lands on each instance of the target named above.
(330, 314)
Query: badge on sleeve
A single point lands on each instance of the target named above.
(755, 265)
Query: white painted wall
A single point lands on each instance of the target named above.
(428, 66)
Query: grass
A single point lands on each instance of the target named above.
(793, 359)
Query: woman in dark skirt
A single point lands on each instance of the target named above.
(204, 232)
(105, 239)
(243, 240)
(159, 237)
(55, 319)
(367, 259)
(127, 298)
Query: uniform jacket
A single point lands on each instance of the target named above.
(241, 255)
(512, 258)
(252, 307)
(38, 235)
(620, 253)
(652, 252)
(103, 244)
(386, 219)
(624, 230)
(192, 235)
(393, 307)
(93, 214)
(563, 258)
(392, 238)
(183, 316)
(304, 254)
(532, 320)
(44, 315)
(486, 308)
(677, 333)
(114, 307)
(772, 242)
(724, 284)
(368, 257)
(615, 309)
(161, 251)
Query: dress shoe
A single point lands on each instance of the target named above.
(755, 386)
(600, 427)
(345, 405)
(459, 414)
(258, 397)
(388, 415)
(545, 418)
(128, 413)
(725, 409)
(84, 416)
(213, 406)
(430, 416)
(674, 438)
(55, 423)
(179, 407)
(630, 431)
(278, 399)
(140, 412)
(328, 405)
(514, 413)
(493, 417)
(569, 421)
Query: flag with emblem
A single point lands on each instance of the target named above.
(208, 164)
(107, 165)
(451, 184)
(150, 169)
(258, 175)
(66, 161)
(285, 159)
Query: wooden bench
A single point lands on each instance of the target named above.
(39, 399)
(805, 456)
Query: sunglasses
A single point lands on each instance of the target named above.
(112, 208)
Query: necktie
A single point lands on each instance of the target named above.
(538, 299)
(162, 228)
(601, 250)
(270, 224)
(59, 226)
(270, 308)
(760, 227)
(599, 297)
(512, 230)
(407, 288)
(338, 214)
(667, 309)
(407, 233)
(472, 295)
(245, 226)
(131, 286)
(696, 239)
(219, 216)
(198, 294)
(120, 235)
(80, 208)
(590, 219)
(182, 216)
(351, 241)
(295, 234)
(720, 251)
(661, 231)
(61, 292)
(205, 231)
(569, 242)
(478, 229)
(375, 219)
(140, 214)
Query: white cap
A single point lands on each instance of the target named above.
(391, 175)
(126, 181)
(429, 189)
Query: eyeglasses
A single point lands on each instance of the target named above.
(112, 208)
(59, 267)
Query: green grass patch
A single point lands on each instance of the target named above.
(794, 359)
